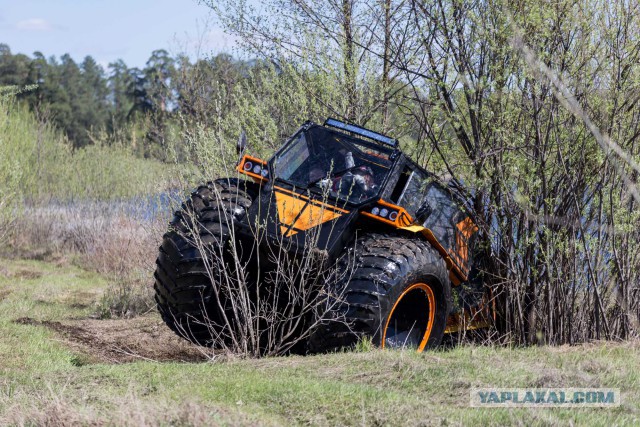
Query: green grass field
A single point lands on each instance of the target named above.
(62, 366)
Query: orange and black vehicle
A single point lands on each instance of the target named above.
(347, 191)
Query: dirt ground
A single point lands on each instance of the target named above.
(123, 340)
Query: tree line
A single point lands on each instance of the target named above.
(83, 99)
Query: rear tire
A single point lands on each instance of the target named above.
(184, 289)
(398, 295)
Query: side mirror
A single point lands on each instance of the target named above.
(423, 212)
(241, 146)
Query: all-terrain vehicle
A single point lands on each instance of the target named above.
(410, 237)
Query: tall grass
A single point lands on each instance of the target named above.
(93, 205)
(38, 164)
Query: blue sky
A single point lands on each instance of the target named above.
(111, 29)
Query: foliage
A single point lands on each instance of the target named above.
(38, 164)
(83, 100)
(531, 105)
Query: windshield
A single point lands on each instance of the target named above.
(338, 164)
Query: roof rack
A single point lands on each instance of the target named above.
(362, 132)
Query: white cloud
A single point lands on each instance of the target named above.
(34, 24)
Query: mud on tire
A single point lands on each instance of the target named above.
(184, 275)
(398, 294)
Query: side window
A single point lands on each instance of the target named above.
(414, 193)
(443, 210)
(292, 158)
(452, 227)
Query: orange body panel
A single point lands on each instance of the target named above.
(255, 160)
(402, 220)
(299, 213)
(296, 214)
(465, 229)
(476, 318)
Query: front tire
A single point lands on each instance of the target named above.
(398, 295)
(185, 273)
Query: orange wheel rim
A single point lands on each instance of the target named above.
(432, 312)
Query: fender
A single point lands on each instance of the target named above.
(400, 219)
(456, 275)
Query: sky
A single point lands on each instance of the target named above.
(111, 29)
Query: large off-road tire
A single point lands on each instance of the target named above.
(185, 272)
(397, 293)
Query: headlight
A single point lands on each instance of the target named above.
(257, 169)
(389, 213)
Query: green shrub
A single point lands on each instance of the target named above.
(38, 164)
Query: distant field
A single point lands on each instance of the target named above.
(61, 365)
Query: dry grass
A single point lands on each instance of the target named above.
(61, 368)
(114, 240)
(109, 238)
(128, 411)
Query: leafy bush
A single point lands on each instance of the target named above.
(56, 200)
(38, 164)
